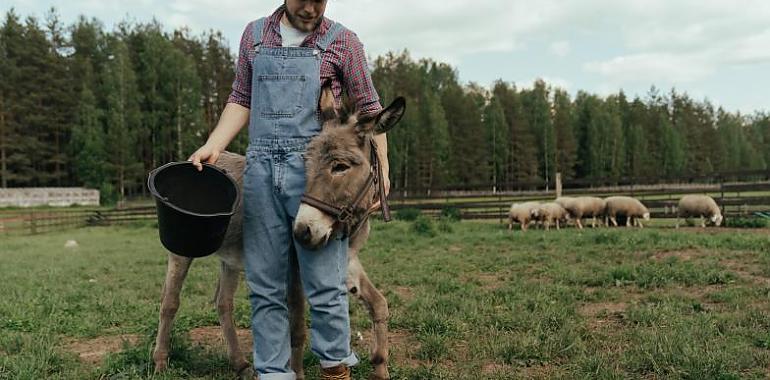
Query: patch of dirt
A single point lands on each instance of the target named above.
(211, 336)
(725, 230)
(542, 371)
(402, 346)
(406, 293)
(455, 248)
(683, 255)
(496, 368)
(749, 272)
(594, 309)
(603, 315)
(93, 351)
(489, 281)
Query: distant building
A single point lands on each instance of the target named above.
(48, 196)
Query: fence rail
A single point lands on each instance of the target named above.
(735, 199)
(33, 222)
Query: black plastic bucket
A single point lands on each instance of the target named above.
(194, 208)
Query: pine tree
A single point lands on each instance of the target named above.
(522, 161)
(565, 141)
(87, 146)
(123, 120)
(59, 101)
(538, 112)
(497, 139)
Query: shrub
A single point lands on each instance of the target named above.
(451, 213)
(745, 222)
(407, 214)
(424, 226)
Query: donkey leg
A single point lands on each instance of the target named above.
(169, 304)
(296, 304)
(228, 284)
(377, 305)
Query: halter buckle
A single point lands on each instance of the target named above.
(345, 215)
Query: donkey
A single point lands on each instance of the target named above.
(340, 165)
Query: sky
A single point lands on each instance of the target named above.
(717, 50)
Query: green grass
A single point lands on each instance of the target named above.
(468, 300)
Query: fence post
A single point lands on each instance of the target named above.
(558, 185)
(722, 198)
(32, 223)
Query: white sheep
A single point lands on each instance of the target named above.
(520, 213)
(701, 206)
(583, 207)
(628, 207)
(550, 214)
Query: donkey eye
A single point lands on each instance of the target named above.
(340, 168)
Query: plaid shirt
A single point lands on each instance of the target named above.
(344, 63)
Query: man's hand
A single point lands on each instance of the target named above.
(207, 153)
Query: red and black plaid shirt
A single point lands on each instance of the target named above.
(344, 63)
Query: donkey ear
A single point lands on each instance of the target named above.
(326, 103)
(386, 119)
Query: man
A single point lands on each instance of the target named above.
(283, 61)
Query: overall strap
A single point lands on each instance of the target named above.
(259, 25)
(331, 34)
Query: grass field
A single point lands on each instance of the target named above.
(468, 300)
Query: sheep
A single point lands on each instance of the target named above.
(550, 213)
(582, 207)
(520, 213)
(701, 206)
(628, 207)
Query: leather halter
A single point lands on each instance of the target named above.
(346, 215)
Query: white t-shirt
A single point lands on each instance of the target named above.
(291, 36)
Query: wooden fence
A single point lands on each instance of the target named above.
(39, 221)
(735, 199)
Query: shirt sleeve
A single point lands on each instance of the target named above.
(241, 93)
(357, 79)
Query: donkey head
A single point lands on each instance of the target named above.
(338, 166)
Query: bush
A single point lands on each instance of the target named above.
(745, 222)
(407, 214)
(451, 213)
(424, 226)
(445, 225)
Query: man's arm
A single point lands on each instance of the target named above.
(236, 112)
(233, 118)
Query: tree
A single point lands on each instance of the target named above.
(123, 119)
(498, 137)
(522, 161)
(538, 113)
(565, 142)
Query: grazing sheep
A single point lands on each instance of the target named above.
(583, 207)
(549, 214)
(701, 206)
(520, 213)
(628, 207)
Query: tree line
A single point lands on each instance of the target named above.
(82, 106)
(457, 135)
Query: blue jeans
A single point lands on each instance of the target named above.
(274, 182)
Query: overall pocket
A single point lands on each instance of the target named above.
(279, 96)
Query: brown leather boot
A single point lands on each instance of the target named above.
(340, 372)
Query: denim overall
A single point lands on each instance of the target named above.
(286, 86)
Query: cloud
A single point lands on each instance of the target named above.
(560, 48)
(653, 68)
